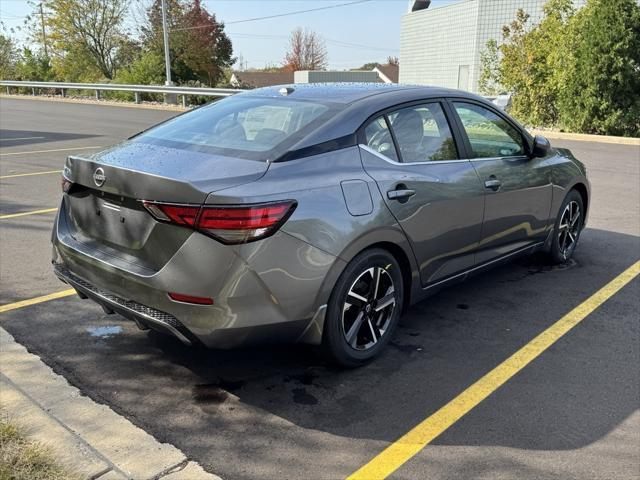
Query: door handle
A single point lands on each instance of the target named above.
(400, 194)
(493, 183)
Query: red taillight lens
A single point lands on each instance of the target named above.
(180, 297)
(66, 184)
(179, 214)
(227, 223)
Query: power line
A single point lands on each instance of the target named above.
(278, 15)
(328, 40)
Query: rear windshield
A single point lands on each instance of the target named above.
(254, 128)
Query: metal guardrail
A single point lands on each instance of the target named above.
(502, 101)
(185, 92)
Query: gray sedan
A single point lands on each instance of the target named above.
(310, 213)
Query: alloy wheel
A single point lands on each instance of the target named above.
(368, 308)
(569, 228)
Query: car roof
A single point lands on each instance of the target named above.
(347, 92)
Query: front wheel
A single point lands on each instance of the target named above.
(568, 227)
(364, 308)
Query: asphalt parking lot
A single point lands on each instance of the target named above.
(280, 412)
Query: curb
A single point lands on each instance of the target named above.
(583, 137)
(84, 436)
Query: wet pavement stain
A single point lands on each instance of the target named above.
(462, 306)
(406, 347)
(104, 332)
(301, 397)
(303, 378)
(209, 394)
(215, 392)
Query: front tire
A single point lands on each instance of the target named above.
(567, 229)
(364, 309)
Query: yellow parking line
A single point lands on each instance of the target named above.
(403, 449)
(49, 151)
(33, 301)
(29, 174)
(22, 214)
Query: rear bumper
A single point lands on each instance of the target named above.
(268, 291)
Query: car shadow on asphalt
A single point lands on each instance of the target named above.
(21, 138)
(205, 401)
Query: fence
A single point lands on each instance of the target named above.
(502, 101)
(167, 90)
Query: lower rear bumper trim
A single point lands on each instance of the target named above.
(141, 314)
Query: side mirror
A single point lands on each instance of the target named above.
(541, 147)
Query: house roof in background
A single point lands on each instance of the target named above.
(392, 72)
(263, 79)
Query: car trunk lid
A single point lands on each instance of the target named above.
(104, 206)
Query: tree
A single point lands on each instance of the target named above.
(368, 66)
(528, 63)
(601, 91)
(90, 29)
(34, 66)
(307, 51)
(577, 69)
(199, 48)
(8, 57)
(489, 79)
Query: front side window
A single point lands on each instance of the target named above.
(246, 127)
(423, 134)
(489, 134)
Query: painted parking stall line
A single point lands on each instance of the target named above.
(407, 446)
(29, 174)
(24, 214)
(33, 152)
(33, 301)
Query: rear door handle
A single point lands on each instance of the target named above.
(492, 184)
(400, 194)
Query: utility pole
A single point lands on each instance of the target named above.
(165, 32)
(44, 34)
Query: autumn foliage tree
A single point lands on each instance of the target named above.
(199, 48)
(89, 32)
(306, 51)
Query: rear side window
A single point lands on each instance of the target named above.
(423, 134)
(489, 134)
(248, 127)
(379, 138)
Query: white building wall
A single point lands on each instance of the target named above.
(441, 46)
(434, 42)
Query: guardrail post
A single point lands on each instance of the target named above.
(184, 101)
(33, 91)
(137, 96)
(63, 92)
(97, 94)
(8, 90)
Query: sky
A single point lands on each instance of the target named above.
(368, 31)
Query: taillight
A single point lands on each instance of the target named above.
(180, 297)
(228, 223)
(66, 184)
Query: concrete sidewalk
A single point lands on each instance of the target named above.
(88, 438)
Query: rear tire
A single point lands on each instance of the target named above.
(567, 229)
(364, 309)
